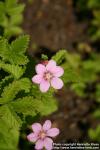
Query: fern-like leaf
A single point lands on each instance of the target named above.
(60, 56)
(10, 91)
(9, 129)
(44, 103)
(15, 70)
(20, 44)
(25, 106)
(14, 53)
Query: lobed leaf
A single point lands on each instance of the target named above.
(9, 129)
(25, 106)
(15, 70)
(60, 56)
(10, 91)
(14, 53)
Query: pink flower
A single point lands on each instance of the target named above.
(41, 135)
(48, 75)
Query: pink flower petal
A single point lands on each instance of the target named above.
(53, 132)
(51, 64)
(37, 79)
(39, 145)
(48, 143)
(57, 83)
(40, 69)
(58, 71)
(47, 125)
(36, 127)
(44, 86)
(32, 137)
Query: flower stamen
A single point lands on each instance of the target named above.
(48, 76)
(42, 134)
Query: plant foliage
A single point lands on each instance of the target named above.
(19, 96)
(11, 17)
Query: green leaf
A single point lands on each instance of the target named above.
(31, 106)
(94, 4)
(96, 113)
(44, 103)
(15, 70)
(10, 3)
(92, 65)
(14, 53)
(7, 115)
(13, 8)
(70, 75)
(4, 48)
(9, 129)
(11, 17)
(78, 88)
(44, 57)
(10, 91)
(73, 59)
(98, 93)
(60, 56)
(16, 20)
(12, 30)
(2, 8)
(4, 82)
(20, 44)
(16, 10)
(46, 106)
(25, 106)
(94, 134)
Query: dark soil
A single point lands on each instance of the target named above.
(53, 25)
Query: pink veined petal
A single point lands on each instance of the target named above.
(47, 125)
(44, 86)
(53, 132)
(37, 79)
(48, 143)
(57, 83)
(36, 127)
(32, 137)
(40, 69)
(39, 145)
(58, 71)
(51, 64)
